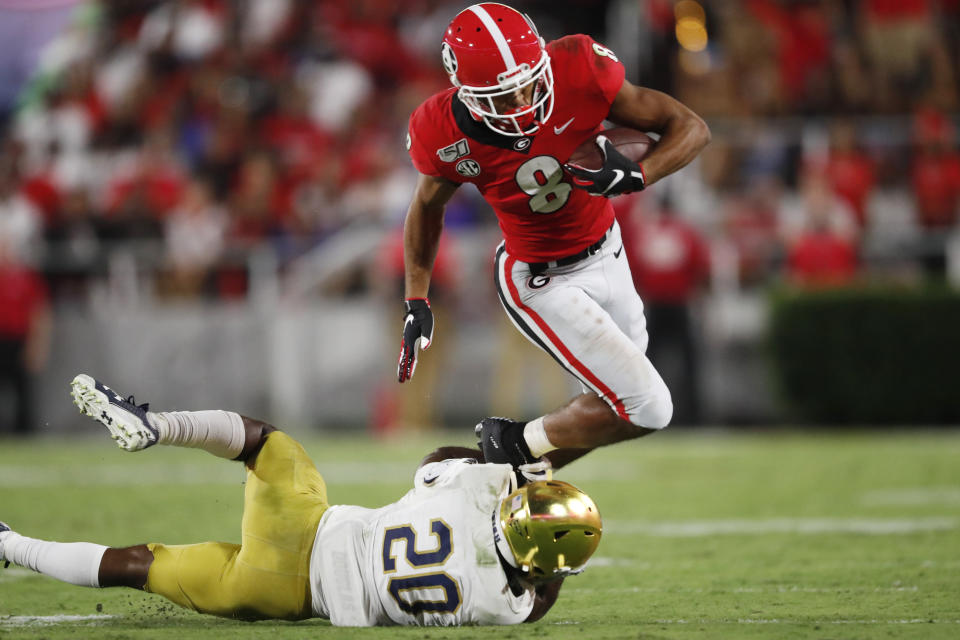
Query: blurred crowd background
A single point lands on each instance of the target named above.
(205, 197)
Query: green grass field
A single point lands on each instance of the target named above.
(706, 535)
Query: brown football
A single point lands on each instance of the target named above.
(630, 142)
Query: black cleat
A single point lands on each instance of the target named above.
(501, 441)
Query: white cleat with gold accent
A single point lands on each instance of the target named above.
(126, 420)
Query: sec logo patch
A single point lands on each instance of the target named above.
(468, 168)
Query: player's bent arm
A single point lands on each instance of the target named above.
(421, 232)
(682, 132)
(447, 453)
(545, 596)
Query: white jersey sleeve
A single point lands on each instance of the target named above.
(439, 474)
(427, 559)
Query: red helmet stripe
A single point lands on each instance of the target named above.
(498, 38)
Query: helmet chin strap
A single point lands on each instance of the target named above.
(498, 536)
(501, 541)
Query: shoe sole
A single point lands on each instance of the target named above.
(95, 404)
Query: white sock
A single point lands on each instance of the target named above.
(218, 432)
(74, 562)
(536, 437)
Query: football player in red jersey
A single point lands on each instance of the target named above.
(518, 109)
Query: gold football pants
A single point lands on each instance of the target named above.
(267, 575)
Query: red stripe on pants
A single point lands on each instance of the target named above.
(558, 344)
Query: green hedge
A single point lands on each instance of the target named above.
(869, 355)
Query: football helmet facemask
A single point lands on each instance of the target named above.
(499, 63)
(548, 530)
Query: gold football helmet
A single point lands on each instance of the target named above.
(551, 527)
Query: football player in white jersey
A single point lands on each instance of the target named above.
(464, 546)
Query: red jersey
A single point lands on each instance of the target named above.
(22, 293)
(670, 259)
(541, 215)
(936, 188)
(851, 175)
(819, 259)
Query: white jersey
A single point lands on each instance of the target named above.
(428, 559)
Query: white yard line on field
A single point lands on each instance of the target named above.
(216, 472)
(912, 496)
(684, 565)
(46, 621)
(803, 622)
(793, 588)
(606, 561)
(786, 588)
(211, 471)
(17, 476)
(700, 528)
(12, 573)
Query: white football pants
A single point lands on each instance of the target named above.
(589, 318)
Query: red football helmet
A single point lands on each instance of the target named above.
(494, 54)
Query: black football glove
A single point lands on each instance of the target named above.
(617, 175)
(417, 334)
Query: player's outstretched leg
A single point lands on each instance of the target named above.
(223, 433)
(73, 562)
(83, 564)
(562, 436)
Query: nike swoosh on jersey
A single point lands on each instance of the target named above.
(563, 127)
(616, 254)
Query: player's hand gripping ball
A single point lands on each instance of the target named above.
(417, 334)
(609, 163)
